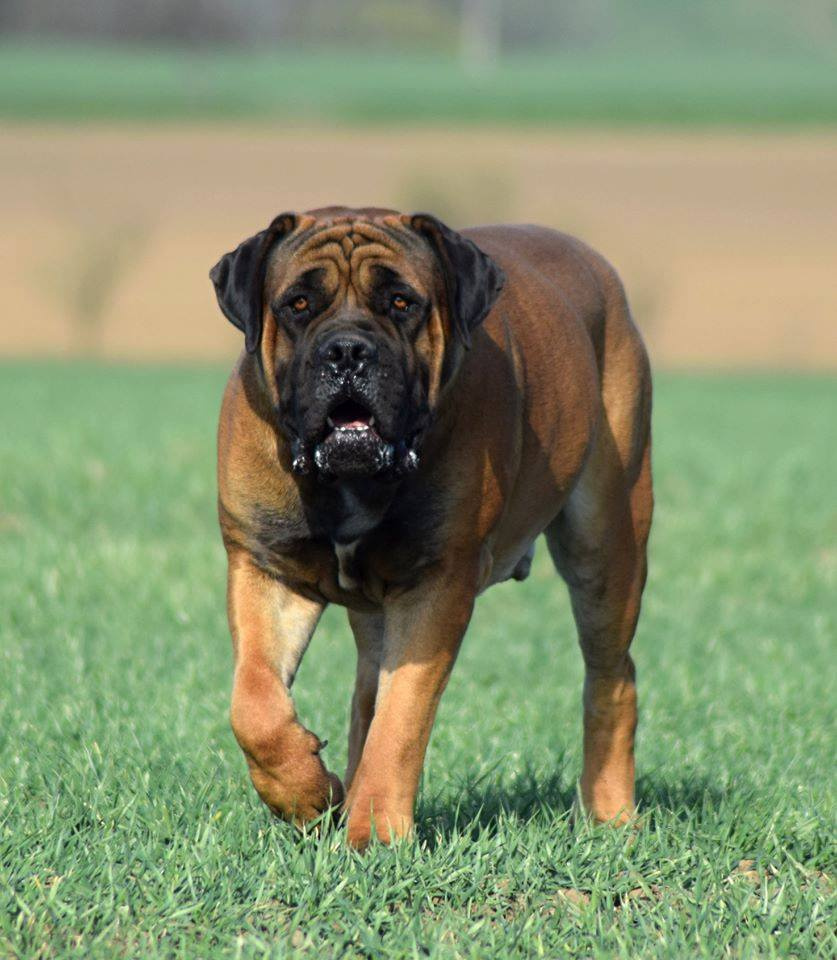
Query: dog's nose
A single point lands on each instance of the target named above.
(347, 352)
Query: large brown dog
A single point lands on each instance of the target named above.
(413, 407)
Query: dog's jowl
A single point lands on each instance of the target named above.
(412, 407)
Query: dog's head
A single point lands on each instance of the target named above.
(359, 319)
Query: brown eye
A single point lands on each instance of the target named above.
(299, 304)
(399, 303)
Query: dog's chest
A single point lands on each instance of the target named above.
(356, 556)
(373, 569)
(349, 576)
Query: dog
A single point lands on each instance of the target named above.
(412, 408)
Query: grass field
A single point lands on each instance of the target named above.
(127, 823)
(665, 86)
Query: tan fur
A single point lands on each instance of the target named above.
(545, 428)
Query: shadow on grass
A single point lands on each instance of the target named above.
(682, 798)
(481, 801)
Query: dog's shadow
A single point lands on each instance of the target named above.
(480, 803)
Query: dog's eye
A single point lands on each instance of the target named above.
(299, 304)
(400, 303)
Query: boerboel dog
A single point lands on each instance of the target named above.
(412, 408)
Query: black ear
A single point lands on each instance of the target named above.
(239, 279)
(473, 280)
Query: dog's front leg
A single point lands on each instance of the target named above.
(422, 633)
(271, 626)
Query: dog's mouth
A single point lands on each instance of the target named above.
(351, 445)
(351, 416)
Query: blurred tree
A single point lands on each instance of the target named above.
(479, 29)
(85, 281)
(428, 25)
(481, 33)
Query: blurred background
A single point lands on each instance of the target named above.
(694, 143)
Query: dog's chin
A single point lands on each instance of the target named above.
(348, 446)
(353, 452)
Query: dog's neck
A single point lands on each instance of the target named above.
(348, 510)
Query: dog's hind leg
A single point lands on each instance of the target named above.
(598, 543)
(368, 630)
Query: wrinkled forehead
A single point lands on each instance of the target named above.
(347, 251)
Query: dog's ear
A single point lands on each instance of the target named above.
(473, 281)
(238, 278)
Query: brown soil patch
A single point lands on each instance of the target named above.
(727, 243)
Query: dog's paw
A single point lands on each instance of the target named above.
(296, 785)
(368, 816)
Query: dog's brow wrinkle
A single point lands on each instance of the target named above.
(331, 249)
(370, 250)
(370, 231)
(332, 257)
(295, 242)
(325, 235)
(347, 245)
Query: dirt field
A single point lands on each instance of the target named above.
(727, 243)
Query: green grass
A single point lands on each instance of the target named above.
(128, 826)
(670, 87)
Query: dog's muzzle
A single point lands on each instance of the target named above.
(350, 444)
